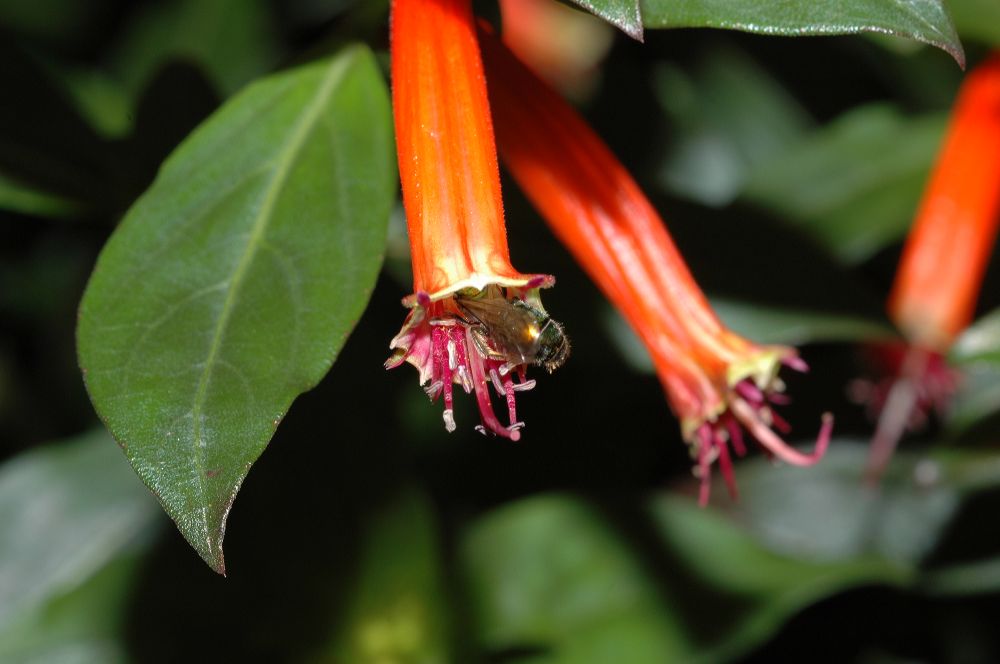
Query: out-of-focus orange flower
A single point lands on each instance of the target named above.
(561, 44)
(940, 273)
(717, 382)
(475, 321)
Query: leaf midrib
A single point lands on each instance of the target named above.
(282, 168)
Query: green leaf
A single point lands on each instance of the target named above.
(854, 185)
(834, 516)
(233, 282)
(777, 325)
(575, 583)
(24, 198)
(976, 354)
(66, 510)
(924, 20)
(730, 115)
(549, 574)
(753, 590)
(978, 20)
(623, 14)
(397, 611)
(86, 625)
(763, 323)
(233, 40)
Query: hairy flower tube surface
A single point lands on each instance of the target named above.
(937, 283)
(474, 321)
(718, 383)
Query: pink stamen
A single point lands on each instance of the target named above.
(795, 362)
(481, 385)
(735, 435)
(779, 423)
(726, 466)
(750, 418)
(704, 462)
(750, 392)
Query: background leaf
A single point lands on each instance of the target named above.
(233, 40)
(555, 578)
(924, 20)
(729, 115)
(854, 185)
(233, 282)
(66, 511)
(399, 610)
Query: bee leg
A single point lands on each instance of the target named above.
(481, 340)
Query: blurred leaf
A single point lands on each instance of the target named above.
(731, 115)
(623, 14)
(979, 342)
(834, 516)
(66, 510)
(101, 100)
(44, 142)
(752, 589)
(923, 20)
(977, 19)
(548, 574)
(51, 19)
(774, 325)
(234, 40)
(26, 199)
(763, 323)
(397, 611)
(85, 626)
(853, 185)
(232, 284)
(976, 354)
(554, 578)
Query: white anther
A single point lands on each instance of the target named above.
(449, 419)
(452, 355)
(525, 386)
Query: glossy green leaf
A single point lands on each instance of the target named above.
(398, 610)
(623, 14)
(66, 510)
(729, 115)
(924, 20)
(566, 581)
(233, 282)
(854, 185)
(234, 40)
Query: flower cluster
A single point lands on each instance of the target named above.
(475, 321)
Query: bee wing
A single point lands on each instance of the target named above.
(488, 311)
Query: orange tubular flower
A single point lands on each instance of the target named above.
(715, 380)
(474, 319)
(937, 283)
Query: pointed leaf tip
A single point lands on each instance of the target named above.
(233, 282)
(623, 14)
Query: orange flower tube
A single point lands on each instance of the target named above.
(715, 380)
(934, 294)
(475, 321)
